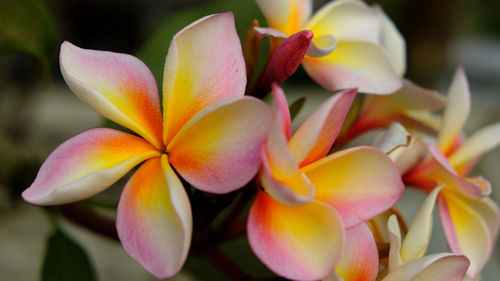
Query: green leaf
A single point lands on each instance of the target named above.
(296, 106)
(66, 260)
(27, 27)
(153, 52)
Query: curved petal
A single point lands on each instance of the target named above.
(218, 150)
(396, 136)
(395, 243)
(297, 242)
(437, 170)
(276, 13)
(456, 111)
(347, 20)
(293, 190)
(86, 165)
(154, 220)
(407, 157)
(118, 86)
(409, 97)
(436, 267)
(359, 183)
(321, 46)
(270, 32)
(417, 239)
(279, 174)
(287, 16)
(444, 172)
(278, 157)
(296, 190)
(393, 42)
(204, 65)
(316, 135)
(360, 64)
(378, 225)
(450, 268)
(411, 106)
(475, 146)
(489, 211)
(471, 227)
(360, 259)
(281, 105)
(483, 184)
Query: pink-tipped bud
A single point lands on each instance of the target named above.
(283, 62)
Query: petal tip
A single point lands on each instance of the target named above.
(28, 196)
(34, 196)
(307, 34)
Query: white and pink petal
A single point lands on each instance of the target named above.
(86, 165)
(219, 149)
(204, 65)
(287, 16)
(417, 239)
(118, 86)
(281, 106)
(393, 42)
(360, 260)
(296, 242)
(359, 183)
(436, 267)
(456, 112)
(361, 64)
(293, 190)
(154, 219)
(347, 20)
(314, 138)
(471, 227)
(475, 146)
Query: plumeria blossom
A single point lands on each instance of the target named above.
(210, 133)
(406, 258)
(470, 219)
(296, 224)
(360, 260)
(354, 45)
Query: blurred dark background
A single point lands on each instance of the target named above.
(38, 111)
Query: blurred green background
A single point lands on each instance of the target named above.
(38, 111)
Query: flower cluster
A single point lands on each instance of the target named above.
(320, 211)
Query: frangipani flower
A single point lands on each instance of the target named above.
(296, 224)
(407, 261)
(354, 45)
(210, 133)
(471, 220)
(360, 260)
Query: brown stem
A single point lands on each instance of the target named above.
(90, 219)
(227, 266)
(383, 250)
(241, 202)
(236, 230)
